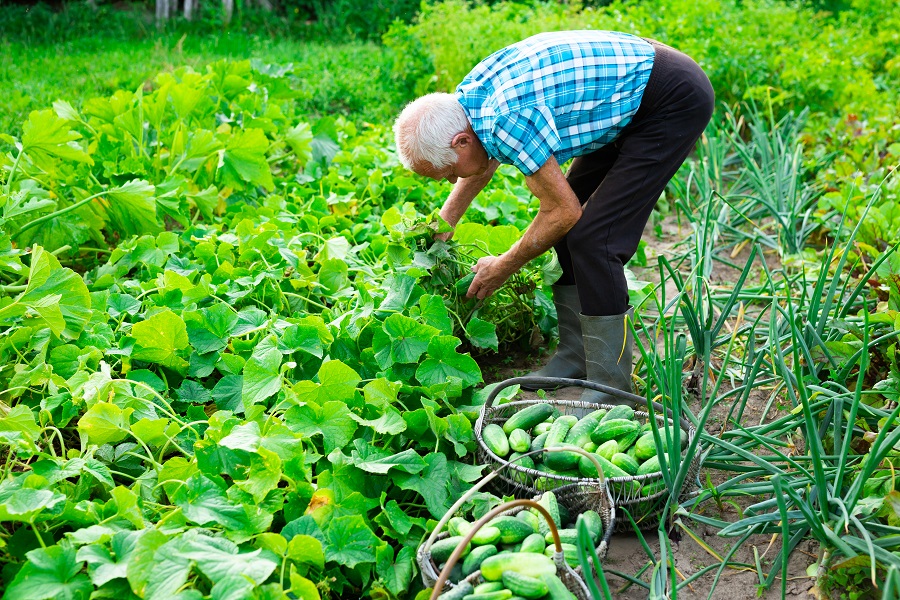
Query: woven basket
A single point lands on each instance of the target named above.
(576, 493)
(598, 499)
(570, 577)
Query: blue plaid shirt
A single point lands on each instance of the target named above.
(565, 93)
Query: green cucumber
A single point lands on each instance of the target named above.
(462, 285)
(620, 411)
(532, 519)
(556, 589)
(594, 524)
(608, 449)
(499, 595)
(524, 585)
(538, 443)
(566, 536)
(488, 587)
(477, 556)
(614, 429)
(512, 530)
(458, 526)
(626, 440)
(588, 469)
(534, 565)
(462, 589)
(548, 501)
(570, 552)
(528, 417)
(580, 433)
(486, 535)
(651, 465)
(652, 488)
(442, 549)
(541, 428)
(589, 447)
(495, 439)
(626, 463)
(519, 440)
(533, 543)
(560, 461)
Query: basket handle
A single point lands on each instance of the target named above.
(627, 397)
(457, 552)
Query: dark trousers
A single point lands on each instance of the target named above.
(619, 184)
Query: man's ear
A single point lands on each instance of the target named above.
(461, 140)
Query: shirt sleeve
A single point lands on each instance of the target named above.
(526, 138)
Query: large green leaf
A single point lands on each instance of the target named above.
(217, 558)
(46, 137)
(52, 573)
(132, 207)
(444, 362)
(104, 564)
(401, 340)
(332, 421)
(159, 339)
(350, 541)
(262, 374)
(243, 162)
(104, 423)
(27, 504)
(432, 484)
(210, 328)
(377, 460)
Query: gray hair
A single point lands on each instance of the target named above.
(425, 128)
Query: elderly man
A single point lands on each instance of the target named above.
(627, 110)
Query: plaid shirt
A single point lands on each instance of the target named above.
(565, 93)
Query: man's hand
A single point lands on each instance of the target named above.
(491, 272)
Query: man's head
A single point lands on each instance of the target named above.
(434, 139)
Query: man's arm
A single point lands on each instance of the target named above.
(558, 213)
(464, 191)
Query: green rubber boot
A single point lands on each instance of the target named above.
(608, 348)
(568, 360)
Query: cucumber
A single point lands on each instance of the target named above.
(560, 461)
(651, 465)
(498, 595)
(648, 426)
(462, 285)
(548, 501)
(581, 431)
(631, 452)
(477, 556)
(594, 524)
(626, 463)
(566, 536)
(462, 589)
(608, 449)
(519, 440)
(521, 461)
(486, 535)
(620, 411)
(626, 441)
(458, 526)
(533, 543)
(538, 443)
(528, 417)
(541, 428)
(512, 530)
(488, 587)
(495, 439)
(524, 585)
(614, 429)
(442, 549)
(570, 552)
(588, 469)
(589, 447)
(532, 519)
(653, 488)
(534, 565)
(556, 589)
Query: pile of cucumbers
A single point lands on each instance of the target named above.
(513, 554)
(623, 445)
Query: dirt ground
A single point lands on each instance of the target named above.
(626, 553)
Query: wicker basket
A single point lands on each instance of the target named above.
(598, 500)
(570, 577)
(576, 492)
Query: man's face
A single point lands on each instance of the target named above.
(471, 160)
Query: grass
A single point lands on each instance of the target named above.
(348, 78)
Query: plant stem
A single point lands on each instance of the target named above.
(58, 213)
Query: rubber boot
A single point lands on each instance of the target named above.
(568, 360)
(608, 348)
